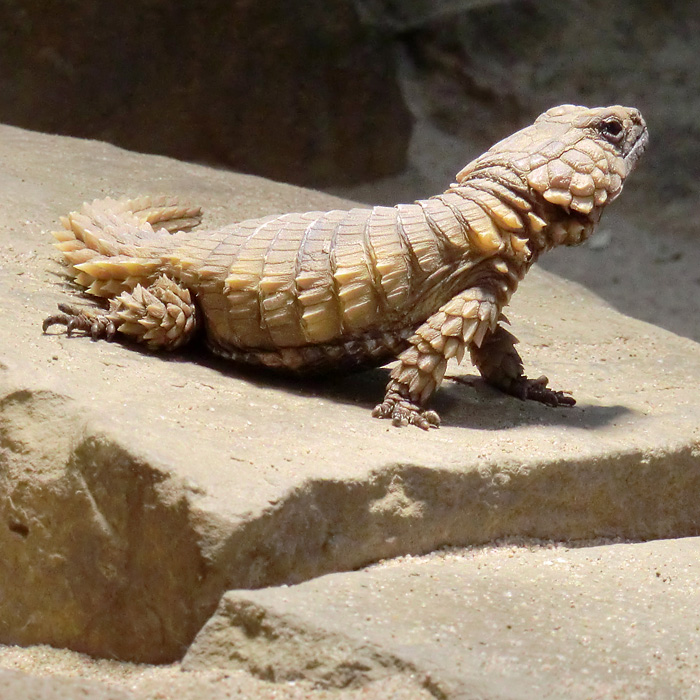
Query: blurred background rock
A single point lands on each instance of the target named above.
(295, 91)
(384, 101)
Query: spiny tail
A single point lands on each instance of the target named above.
(110, 244)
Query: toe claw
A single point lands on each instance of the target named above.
(96, 324)
(432, 418)
(398, 420)
(537, 390)
(50, 321)
(404, 412)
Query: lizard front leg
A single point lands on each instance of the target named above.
(501, 366)
(464, 320)
(162, 316)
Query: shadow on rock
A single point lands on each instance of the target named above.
(477, 406)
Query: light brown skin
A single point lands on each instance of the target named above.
(330, 291)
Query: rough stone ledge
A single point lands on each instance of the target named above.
(513, 622)
(246, 635)
(137, 489)
(15, 685)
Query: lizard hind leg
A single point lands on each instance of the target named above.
(501, 366)
(163, 316)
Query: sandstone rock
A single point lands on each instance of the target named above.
(21, 686)
(138, 488)
(287, 90)
(511, 622)
(57, 674)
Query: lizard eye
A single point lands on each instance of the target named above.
(611, 130)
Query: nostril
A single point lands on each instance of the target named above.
(18, 528)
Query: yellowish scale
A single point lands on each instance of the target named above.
(391, 261)
(280, 312)
(354, 281)
(320, 317)
(241, 287)
(483, 234)
(421, 239)
(443, 217)
(502, 215)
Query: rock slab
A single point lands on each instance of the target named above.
(21, 686)
(510, 622)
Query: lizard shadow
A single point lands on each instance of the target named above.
(477, 405)
(467, 403)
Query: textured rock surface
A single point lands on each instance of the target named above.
(53, 674)
(138, 488)
(15, 686)
(273, 88)
(613, 621)
(514, 621)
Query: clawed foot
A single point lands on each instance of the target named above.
(537, 390)
(405, 412)
(95, 325)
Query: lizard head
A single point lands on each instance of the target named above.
(569, 164)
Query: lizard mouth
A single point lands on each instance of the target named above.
(640, 145)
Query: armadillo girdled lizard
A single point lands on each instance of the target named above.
(337, 290)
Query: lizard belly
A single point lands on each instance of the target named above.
(363, 352)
